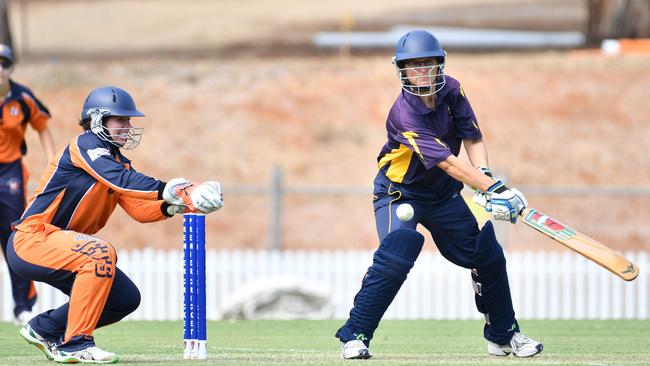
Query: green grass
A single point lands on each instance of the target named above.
(422, 342)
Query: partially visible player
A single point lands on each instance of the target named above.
(19, 108)
(426, 127)
(53, 241)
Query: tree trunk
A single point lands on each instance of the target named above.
(5, 31)
(617, 19)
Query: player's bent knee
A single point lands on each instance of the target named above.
(132, 302)
(124, 297)
(111, 250)
(489, 253)
(397, 254)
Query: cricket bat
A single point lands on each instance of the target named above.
(581, 244)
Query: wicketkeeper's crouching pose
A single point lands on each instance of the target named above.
(53, 243)
(418, 165)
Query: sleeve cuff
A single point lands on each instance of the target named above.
(163, 209)
(429, 164)
(161, 189)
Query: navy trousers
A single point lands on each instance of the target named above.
(12, 204)
(458, 238)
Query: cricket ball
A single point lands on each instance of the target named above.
(404, 212)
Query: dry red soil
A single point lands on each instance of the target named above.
(553, 118)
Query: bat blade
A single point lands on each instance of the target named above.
(581, 244)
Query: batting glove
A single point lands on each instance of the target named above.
(504, 203)
(479, 197)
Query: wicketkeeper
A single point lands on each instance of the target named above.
(426, 127)
(53, 241)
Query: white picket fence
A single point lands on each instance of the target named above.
(544, 285)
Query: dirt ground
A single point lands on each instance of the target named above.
(550, 118)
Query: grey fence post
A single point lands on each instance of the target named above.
(276, 195)
(24, 28)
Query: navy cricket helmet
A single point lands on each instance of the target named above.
(112, 101)
(7, 53)
(420, 44)
(108, 101)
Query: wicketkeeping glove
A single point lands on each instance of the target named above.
(176, 192)
(504, 203)
(207, 197)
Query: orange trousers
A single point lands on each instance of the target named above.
(81, 264)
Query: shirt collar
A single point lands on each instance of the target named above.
(418, 105)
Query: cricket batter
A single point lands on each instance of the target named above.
(19, 108)
(53, 241)
(418, 165)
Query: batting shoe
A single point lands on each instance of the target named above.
(34, 338)
(355, 349)
(87, 355)
(519, 345)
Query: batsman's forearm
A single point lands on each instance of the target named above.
(464, 172)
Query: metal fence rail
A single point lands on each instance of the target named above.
(602, 212)
(545, 285)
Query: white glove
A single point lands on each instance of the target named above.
(479, 197)
(173, 194)
(507, 204)
(207, 197)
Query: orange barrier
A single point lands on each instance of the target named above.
(641, 45)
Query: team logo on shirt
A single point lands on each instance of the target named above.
(14, 186)
(96, 153)
(13, 111)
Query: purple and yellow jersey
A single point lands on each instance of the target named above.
(19, 108)
(419, 138)
(82, 185)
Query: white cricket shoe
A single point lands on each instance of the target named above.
(22, 318)
(87, 355)
(519, 345)
(355, 349)
(34, 338)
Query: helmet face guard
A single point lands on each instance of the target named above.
(110, 101)
(424, 80)
(130, 135)
(426, 77)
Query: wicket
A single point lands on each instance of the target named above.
(194, 314)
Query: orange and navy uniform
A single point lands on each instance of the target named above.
(53, 241)
(84, 183)
(18, 109)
